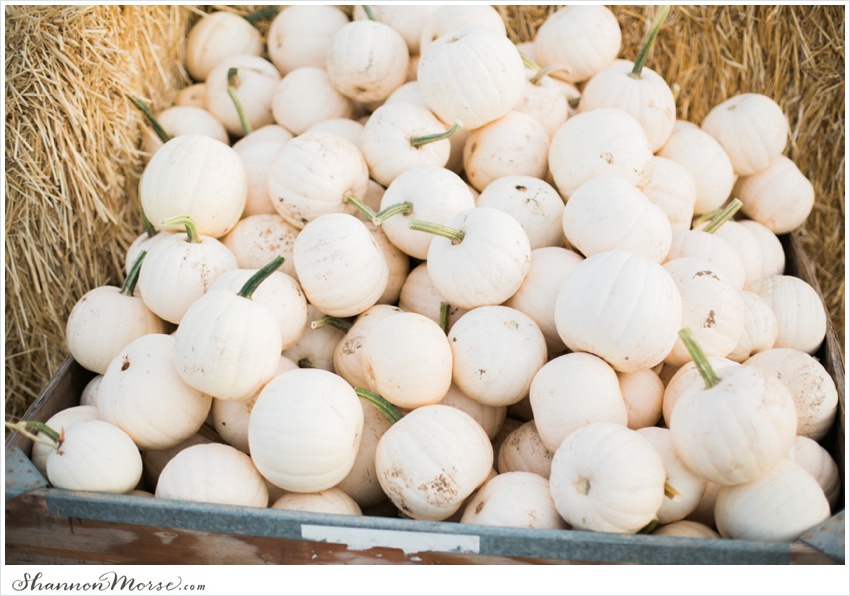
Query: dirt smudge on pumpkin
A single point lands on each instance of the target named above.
(126, 363)
(709, 320)
(607, 157)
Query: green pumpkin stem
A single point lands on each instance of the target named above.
(419, 141)
(544, 71)
(150, 229)
(305, 363)
(30, 428)
(261, 14)
(384, 214)
(232, 85)
(187, 222)
(151, 118)
(343, 325)
(528, 62)
(259, 277)
(369, 14)
(456, 236)
(642, 56)
(444, 317)
(385, 407)
(650, 527)
(700, 359)
(362, 207)
(723, 216)
(133, 276)
(704, 217)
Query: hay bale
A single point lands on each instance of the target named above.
(71, 163)
(72, 166)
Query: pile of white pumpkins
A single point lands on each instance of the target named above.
(489, 251)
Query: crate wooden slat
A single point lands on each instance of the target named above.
(49, 526)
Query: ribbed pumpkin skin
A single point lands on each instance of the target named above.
(216, 36)
(623, 307)
(197, 176)
(227, 346)
(96, 456)
(305, 428)
(431, 460)
(313, 174)
(607, 478)
(340, 266)
(474, 75)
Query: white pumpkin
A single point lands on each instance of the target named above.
(487, 266)
(736, 426)
(316, 347)
(144, 396)
(182, 120)
(496, 352)
(607, 478)
(431, 460)
(213, 473)
(451, 17)
(407, 19)
(592, 395)
(514, 500)
(257, 151)
(537, 295)
(348, 353)
(685, 529)
(331, 500)
(751, 128)
(716, 250)
(367, 60)
(474, 75)
(609, 213)
(305, 96)
(196, 176)
(533, 202)
(253, 80)
(672, 188)
(305, 429)
(514, 144)
(581, 39)
(107, 318)
(811, 386)
(434, 194)
(216, 36)
(773, 255)
(419, 295)
(602, 142)
(259, 238)
(799, 309)
(682, 378)
(491, 418)
(643, 394)
(227, 345)
(314, 174)
(523, 451)
(781, 197)
(59, 422)
(301, 35)
(752, 511)
(95, 456)
(340, 266)
(760, 328)
(407, 360)
(621, 306)
(818, 462)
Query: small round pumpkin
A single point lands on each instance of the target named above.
(523, 451)
(301, 35)
(799, 309)
(607, 478)
(292, 109)
(254, 85)
(216, 36)
(514, 500)
(331, 500)
(781, 197)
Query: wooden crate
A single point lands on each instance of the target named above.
(45, 525)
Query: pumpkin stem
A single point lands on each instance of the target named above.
(146, 110)
(574, 102)
(704, 217)
(150, 229)
(29, 428)
(456, 236)
(444, 317)
(582, 486)
(343, 325)
(700, 359)
(305, 363)
(369, 14)
(384, 214)
(185, 221)
(642, 56)
(650, 527)
(384, 407)
(417, 142)
(671, 493)
(528, 62)
(721, 218)
(259, 277)
(233, 84)
(362, 207)
(542, 72)
(133, 276)
(261, 14)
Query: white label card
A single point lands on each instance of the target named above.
(409, 542)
